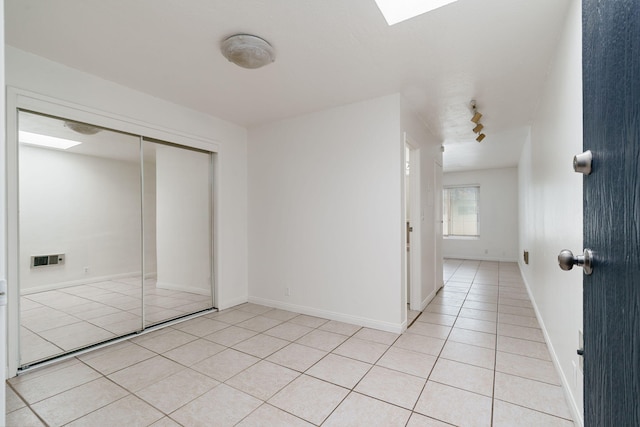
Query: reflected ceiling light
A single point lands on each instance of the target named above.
(478, 128)
(395, 11)
(82, 128)
(248, 51)
(46, 141)
(480, 137)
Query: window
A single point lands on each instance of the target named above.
(460, 211)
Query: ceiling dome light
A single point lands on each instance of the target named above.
(82, 128)
(248, 51)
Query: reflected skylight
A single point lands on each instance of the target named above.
(46, 141)
(395, 11)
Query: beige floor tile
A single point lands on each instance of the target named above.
(23, 417)
(463, 376)
(454, 406)
(267, 415)
(54, 381)
(340, 328)
(109, 360)
(310, 321)
(201, 326)
(513, 319)
(263, 380)
(322, 340)
(176, 390)
(477, 305)
(297, 357)
(391, 386)
(470, 313)
(418, 420)
(165, 422)
(420, 343)
(278, 314)
(77, 402)
(523, 347)
(339, 370)
(359, 410)
(520, 311)
(222, 406)
(515, 302)
(365, 351)
(479, 339)
(115, 318)
(43, 319)
(259, 323)
(33, 347)
(476, 325)
(472, 355)
(234, 317)
(522, 332)
(193, 352)
(532, 394)
(143, 374)
(437, 318)
(374, 335)
(430, 330)
(407, 361)
(448, 301)
(309, 398)
(13, 401)
(230, 336)
(164, 342)
(442, 309)
(507, 415)
(261, 345)
(289, 331)
(527, 367)
(254, 308)
(225, 364)
(129, 411)
(491, 299)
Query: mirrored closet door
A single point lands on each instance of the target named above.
(114, 234)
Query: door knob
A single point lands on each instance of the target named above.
(567, 260)
(582, 162)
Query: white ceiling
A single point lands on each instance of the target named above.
(329, 53)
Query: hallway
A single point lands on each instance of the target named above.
(474, 357)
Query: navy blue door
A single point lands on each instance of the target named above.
(611, 79)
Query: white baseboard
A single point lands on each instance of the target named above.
(396, 328)
(182, 288)
(84, 281)
(571, 400)
(480, 258)
(428, 299)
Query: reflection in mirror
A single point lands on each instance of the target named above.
(79, 235)
(177, 229)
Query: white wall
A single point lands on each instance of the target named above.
(325, 213)
(326, 217)
(85, 207)
(39, 75)
(3, 215)
(551, 205)
(498, 239)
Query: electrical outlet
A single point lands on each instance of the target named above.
(286, 292)
(86, 270)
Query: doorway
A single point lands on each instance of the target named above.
(412, 230)
(114, 235)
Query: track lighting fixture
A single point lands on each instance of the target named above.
(476, 119)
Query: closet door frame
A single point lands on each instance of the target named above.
(19, 99)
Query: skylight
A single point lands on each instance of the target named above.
(395, 11)
(46, 141)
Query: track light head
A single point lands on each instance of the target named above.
(478, 128)
(480, 137)
(476, 117)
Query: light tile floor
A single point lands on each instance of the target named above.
(57, 321)
(475, 357)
